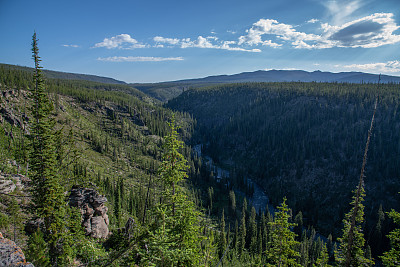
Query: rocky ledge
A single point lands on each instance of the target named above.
(94, 212)
(11, 254)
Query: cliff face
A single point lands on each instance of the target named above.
(11, 254)
(94, 212)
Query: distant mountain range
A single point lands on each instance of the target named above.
(294, 76)
(167, 90)
(66, 75)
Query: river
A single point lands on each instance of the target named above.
(259, 199)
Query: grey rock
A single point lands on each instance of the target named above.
(11, 254)
(99, 227)
(100, 210)
(9, 182)
(105, 216)
(94, 213)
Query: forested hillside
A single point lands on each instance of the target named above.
(306, 141)
(65, 75)
(65, 144)
(107, 137)
(167, 90)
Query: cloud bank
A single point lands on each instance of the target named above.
(201, 42)
(370, 31)
(390, 66)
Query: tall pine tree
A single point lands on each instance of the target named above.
(47, 190)
(175, 238)
(351, 251)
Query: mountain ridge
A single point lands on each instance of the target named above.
(294, 76)
(52, 74)
(165, 91)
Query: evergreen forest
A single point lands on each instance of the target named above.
(325, 154)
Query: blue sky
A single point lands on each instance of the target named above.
(153, 40)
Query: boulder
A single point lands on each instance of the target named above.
(11, 254)
(94, 212)
(99, 227)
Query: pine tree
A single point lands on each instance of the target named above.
(242, 229)
(236, 244)
(376, 239)
(222, 237)
(117, 205)
(47, 190)
(232, 201)
(353, 255)
(252, 237)
(175, 238)
(323, 258)
(392, 257)
(16, 219)
(37, 252)
(351, 249)
(282, 247)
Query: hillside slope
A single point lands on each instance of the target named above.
(65, 75)
(168, 90)
(304, 141)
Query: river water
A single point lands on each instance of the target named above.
(259, 199)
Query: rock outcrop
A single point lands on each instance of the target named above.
(94, 212)
(9, 182)
(11, 254)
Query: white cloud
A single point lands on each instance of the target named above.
(312, 21)
(121, 41)
(201, 42)
(172, 41)
(232, 32)
(384, 67)
(370, 31)
(70, 45)
(226, 46)
(211, 42)
(139, 59)
(282, 31)
(367, 32)
(271, 44)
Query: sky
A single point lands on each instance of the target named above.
(159, 40)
